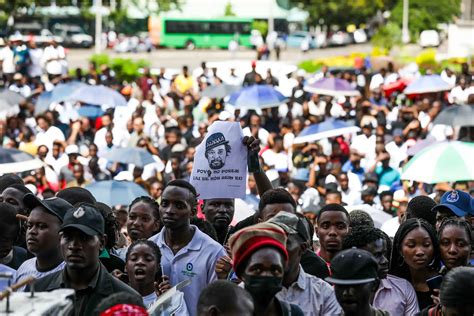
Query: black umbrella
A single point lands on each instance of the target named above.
(456, 115)
(219, 91)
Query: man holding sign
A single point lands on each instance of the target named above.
(225, 150)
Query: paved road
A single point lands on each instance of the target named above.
(176, 58)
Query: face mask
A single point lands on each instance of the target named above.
(263, 288)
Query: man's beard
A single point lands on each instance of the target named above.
(216, 164)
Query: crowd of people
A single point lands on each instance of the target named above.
(335, 231)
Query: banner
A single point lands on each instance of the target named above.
(220, 163)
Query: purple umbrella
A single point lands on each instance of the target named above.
(420, 145)
(333, 87)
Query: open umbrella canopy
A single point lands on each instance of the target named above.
(219, 91)
(137, 156)
(328, 128)
(257, 97)
(333, 87)
(90, 111)
(456, 115)
(98, 95)
(14, 160)
(442, 162)
(61, 92)
(11, 97)
(114, 193)
(427, 84)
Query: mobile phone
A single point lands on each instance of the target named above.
(435, 282)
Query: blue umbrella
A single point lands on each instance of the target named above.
(137, 156)
(427, 84)
(332, 87)
(114, 193)
(257, 97)
(90, 111)
(98, 95)
(326, 129)
(61, 92)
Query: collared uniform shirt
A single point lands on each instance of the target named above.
(195, 261)
(314, 296)
(396, 296)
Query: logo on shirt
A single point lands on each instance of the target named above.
(189, 270)
(453, 197)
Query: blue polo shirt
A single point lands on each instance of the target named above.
(195, 261)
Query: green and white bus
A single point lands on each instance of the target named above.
(193, 33)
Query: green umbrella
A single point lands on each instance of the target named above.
(443, 162)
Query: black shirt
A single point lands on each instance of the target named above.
(86, 300)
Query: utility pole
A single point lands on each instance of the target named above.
(98, 26)
(271, 20)
(405, 31)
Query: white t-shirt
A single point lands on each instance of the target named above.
(7, 56)
(53, 67)
(48, 137)
(262, 134)
(28, 268)
(35, 69)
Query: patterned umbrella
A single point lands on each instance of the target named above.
(443, 162)
(98, 95)
(333, 87)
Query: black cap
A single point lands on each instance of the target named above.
(291, 224)
(371, 176)
(56, 206)
(353, 266)
(368, 190)
(76, 195)
(86, 218)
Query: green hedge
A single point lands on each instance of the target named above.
(125, 69)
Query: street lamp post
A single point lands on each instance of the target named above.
(98, 26)
(405, 31)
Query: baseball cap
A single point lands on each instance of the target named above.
(72, 150)
(353, 266)
(56, 206)
(459, 202)
(368, 190)
(86, 218)
(371, 177)
(291, 224)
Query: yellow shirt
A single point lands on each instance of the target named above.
(184, 83)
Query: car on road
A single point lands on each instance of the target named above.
(34, 31)
(295, 39)
(429, 38)
(340, 38)
(74, 35)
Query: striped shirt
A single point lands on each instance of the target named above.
(28, 268)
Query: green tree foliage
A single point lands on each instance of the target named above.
(261, 26)
(426, 14)
(124, 68)
(388, 36)
(341, 12)
(228, 10)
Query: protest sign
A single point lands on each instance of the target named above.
(220, 163)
